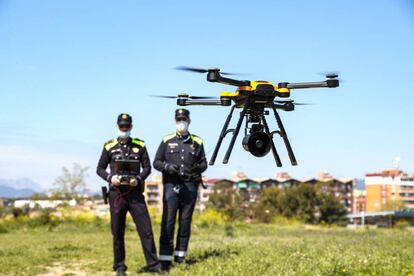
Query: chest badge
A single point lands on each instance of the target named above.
(135, 150)
(172, 145)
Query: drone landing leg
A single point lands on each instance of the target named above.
(235, 133)
(284, 137)
(222, 135)
(275, 154)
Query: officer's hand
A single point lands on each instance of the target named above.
(133, 182)
(196, 169)
(116, 180)
(171, 169)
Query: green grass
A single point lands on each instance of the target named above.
(231, 249)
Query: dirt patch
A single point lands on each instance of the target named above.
(68, 269)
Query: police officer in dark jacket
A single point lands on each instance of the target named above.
(181, 159)
(125, 193)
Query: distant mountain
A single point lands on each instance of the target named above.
(21, 184)
(6, 191)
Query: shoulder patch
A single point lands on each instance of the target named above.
(110, 144)
(138, 142)
(197, 139)
(168, 137)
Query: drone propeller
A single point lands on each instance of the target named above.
(291, 101)
(201, 70)
(331, 75)
(184, 96)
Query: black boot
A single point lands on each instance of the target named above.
(152, 269)
(120, 272)
(165, 265)
(179, 260)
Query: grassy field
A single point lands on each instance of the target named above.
(232, 249)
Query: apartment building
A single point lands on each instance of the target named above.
(389, 190)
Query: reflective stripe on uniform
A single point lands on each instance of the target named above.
(138, 142)
(165, 258)
(111, 144)
(197, 139)
(180, 253)
(168, 137)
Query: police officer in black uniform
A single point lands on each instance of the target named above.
(181, 159)
(124, 197)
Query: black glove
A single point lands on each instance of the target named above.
(196, 169)
(171, 168)
(141, 184)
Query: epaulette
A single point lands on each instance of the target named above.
(110, 144)
(197, 139)
(168, 137)
(138, 142)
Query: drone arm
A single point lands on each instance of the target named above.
(184, 102)
(299, 85)
(214, 76)
(232, 81)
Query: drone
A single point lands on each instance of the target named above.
(255, 99)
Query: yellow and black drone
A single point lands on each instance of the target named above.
(254, 98)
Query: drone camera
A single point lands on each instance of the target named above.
(257, 142)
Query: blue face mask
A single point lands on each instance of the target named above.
(124, 134)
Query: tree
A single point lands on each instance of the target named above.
(331, 210)
(70, 183)
(228, 202)
(267, 206)
(298, 202)
(308, 203)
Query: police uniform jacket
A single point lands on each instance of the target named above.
(183, 151)
(131, 149)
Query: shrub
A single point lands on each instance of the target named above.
(229, 230)
(3, 229)
(401, 224)
(210, 217)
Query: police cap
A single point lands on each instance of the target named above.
(124, 120)
(182, 113)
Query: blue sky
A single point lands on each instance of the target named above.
(68, 68)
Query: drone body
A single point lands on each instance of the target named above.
(254, 98)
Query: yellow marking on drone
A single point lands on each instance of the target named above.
(282, 90)
(229, 94)
(253, 85)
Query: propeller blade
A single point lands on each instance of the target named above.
(302, 104)
(202, 70)
(291, 101)
(230, 74)
(332, 75)
(191, 69)
(184, 96)
(202, 97)
(164, 96)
